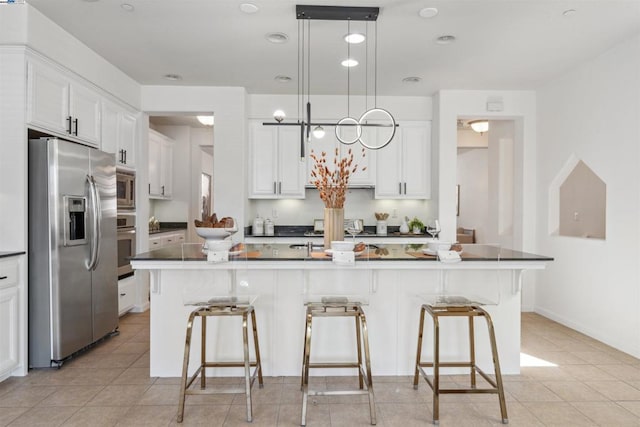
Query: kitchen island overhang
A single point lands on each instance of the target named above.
(278, 274)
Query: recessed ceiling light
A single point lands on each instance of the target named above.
(569, 12)
(354, 38)
(172, 77)
(349, 62)
(282, 79)
(428, 12)
(411, 80)
(277, 37)
(249, 8)
(448, 39)
(128, 7)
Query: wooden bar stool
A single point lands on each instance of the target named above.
(229, 303)
(339, 291)
(447, 304)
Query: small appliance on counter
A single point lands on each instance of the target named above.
(257, 229)
(269, 227)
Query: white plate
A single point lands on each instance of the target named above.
(330, 252)
(428, 251)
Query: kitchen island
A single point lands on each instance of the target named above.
(277, 273)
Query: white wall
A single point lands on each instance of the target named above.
(473, 178)
(593, 112)
(228, 104)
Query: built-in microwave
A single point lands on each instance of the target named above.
(126, 190)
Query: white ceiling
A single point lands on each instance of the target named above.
(504, 44)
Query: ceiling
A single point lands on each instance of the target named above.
(504, 44)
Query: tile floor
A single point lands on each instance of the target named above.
(591, 384)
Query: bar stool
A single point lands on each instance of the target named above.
(448, 303)
(234, 303)
(339, 292)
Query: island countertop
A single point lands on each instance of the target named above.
(299, 252)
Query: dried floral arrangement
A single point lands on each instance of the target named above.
(332, 182)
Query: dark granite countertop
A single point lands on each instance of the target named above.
(165, 230)
(307, 231)
(376, 252)
(168, 227)
(6, 254)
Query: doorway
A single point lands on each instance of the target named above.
(486, 183)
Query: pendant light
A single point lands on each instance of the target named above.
(348, 123)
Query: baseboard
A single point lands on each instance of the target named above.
(140, 308)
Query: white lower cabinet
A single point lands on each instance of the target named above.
(9, 317)
(126, 294)
(161, 240)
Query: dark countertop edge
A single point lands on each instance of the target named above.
(140, 257)
(7, 254)
(166, 230)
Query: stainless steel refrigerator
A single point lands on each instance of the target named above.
(73, 283)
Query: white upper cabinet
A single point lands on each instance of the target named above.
(404, 166)
(59, 104)
(160, 166)
(119, 131)
(276, 168)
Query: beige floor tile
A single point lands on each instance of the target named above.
(94, 376)
(210, 415)
(633, 407)
(348, 399)
(541, 373)
(531, 392)
(97, 416)
(622, 371)
(574, 391)
(106, 361)
(142, 361)
(9, 414)
(148, 416)
(41, 416)
(560, 414)
(559, 358)
(129, 347)
(405, 414)
(268, 395)
(263, 415)
(517, 414)
(134, 376)
(71, 395)
(462, 414)
(291, 415)
(160, 395)
(357, 414)
(587, 373)
(607, 413)
(25, 396)
(168, 381)
(115, 395)
(399, 393)
(596, 357)
(615, 390)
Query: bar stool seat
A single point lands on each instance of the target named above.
(221, 308)
(451, 305)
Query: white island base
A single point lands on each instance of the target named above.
(392, 317)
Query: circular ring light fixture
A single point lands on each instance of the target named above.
(350, 122)
(392, 123)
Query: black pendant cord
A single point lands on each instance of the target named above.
(348, 69)
(366, 68)
(375, 96)
(299, 111)
(309, 80)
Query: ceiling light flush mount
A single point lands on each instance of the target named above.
(569, 12)
(349, 62)
(277, 38)
(428, 12)
(172, 77)
(412, 80)
(128, 7)
(249, 8)
(480, 126)
(205, 120)
(446, 39)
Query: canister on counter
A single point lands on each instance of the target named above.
(381, 228)
(268, 227)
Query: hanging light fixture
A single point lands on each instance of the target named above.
(305, 14)
(480, 126)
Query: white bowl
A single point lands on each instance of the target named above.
(211, 233)
(437, 245)
(342, 245)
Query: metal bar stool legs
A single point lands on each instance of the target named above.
(249, 378)
(465, 311)
(364, 370)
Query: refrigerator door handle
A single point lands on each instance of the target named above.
(95, 211)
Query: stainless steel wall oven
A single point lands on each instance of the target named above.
(126, 223)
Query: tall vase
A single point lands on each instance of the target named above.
(333, 225)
